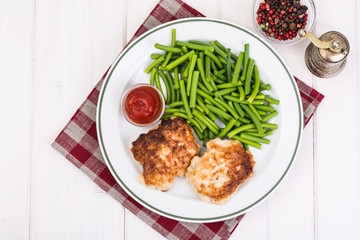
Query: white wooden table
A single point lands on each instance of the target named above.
(52, 53)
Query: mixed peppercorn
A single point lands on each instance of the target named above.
(281, 19)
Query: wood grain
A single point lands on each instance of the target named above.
(16, 74)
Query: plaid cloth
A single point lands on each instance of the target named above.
(79, 144)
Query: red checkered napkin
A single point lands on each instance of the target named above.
(79, 144)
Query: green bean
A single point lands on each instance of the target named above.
(184, 48)
(228, 85)
(237, 123)
(199, 134)
(253, 117)
(227, 107)
(154, 63)
(176, 78)
(195, 46)
(208, 86)
(207, 96)
(222, 71)
(186, 72)
(260, 135)
(255, 112)
(199, 42)
(240, 129)
(219, 75)
(200, 67)
(251, 143)
(168, 48)
(181, 115)
(196, 124)
(269, 125)
(217, 80)
(205, 89)
(176, 104)
(172, 87)
(261, 112)
(156, 55)
(152, 76)
(241, 93)
(199, 108)
(213, 66)
(237, 68)
(225, 91)
(191, 70)
(228, 64)
(212, 116)
(166, 116)
(180, 60)
(202, 125)
(223, 120)
(164, 68)
(271, 100)
(233, 56)
(245, 120)
(206, 137)
(214, 58)
(213, 101)
(269, 116)
(246, 61)
(211, 125)
(184, 99)
(174, 110)
(194, 86)
(200, 102)
(219, 112)
(158, 85)
(201, 56)
(255, 139)
(249, 71)
(265, 87)
(227, 128)
(167, 86)
(218, 50)
(213, 84)
(208, 68)
(235, 99)
(238, 109)
(178, 95)
(167, 59)
(246, 146)
(232, 109)
(256, 85)
(211, 135)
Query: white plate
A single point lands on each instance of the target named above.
(180, 202)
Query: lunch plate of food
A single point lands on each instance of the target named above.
(199, 120)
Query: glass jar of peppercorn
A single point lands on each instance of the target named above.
(279, 20)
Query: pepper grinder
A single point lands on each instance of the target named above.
(326, 56)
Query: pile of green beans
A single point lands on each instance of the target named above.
(205, 82)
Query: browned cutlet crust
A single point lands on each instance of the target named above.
(220, 172)
(165, 152)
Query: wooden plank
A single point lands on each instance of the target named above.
(76, 41)
(337, 133)
(16, 42)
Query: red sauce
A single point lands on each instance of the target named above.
(143, 105)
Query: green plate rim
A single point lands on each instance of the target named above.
(103, 149)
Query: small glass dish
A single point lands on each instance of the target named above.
(311, 12)
(155, 119)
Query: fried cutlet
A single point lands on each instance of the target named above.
(219, 173)
(165, 152)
